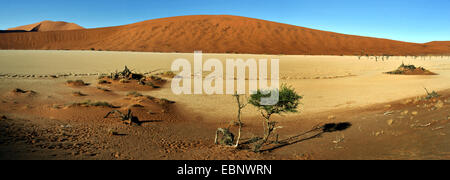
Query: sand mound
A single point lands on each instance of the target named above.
(128, 80)
(48, 26)
(215, 34)
(411, 70)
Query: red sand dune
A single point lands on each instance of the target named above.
(216, 34)
(439, 43)
(48, 26)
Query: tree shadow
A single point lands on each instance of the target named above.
(334, 127)
(317, 132)
(250, 140)
(148, 121)
(120, 134)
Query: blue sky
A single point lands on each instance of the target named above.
(405, 20)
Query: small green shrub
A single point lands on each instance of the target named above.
(431, 95)
(402, 69)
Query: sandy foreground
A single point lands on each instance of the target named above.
(335, 89)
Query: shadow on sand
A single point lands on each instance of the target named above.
(312, 134)
(149, 121)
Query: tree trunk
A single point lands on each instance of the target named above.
(240, 107)
(240, 127)
(267, 132)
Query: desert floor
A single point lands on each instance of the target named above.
(389, 117)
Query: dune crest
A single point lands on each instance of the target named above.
(216, 34)
(48, 26)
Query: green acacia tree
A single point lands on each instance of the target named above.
(288, 102)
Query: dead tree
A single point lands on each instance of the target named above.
(126, 118)
(126, 72)
(226, 139)
(241, 106)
